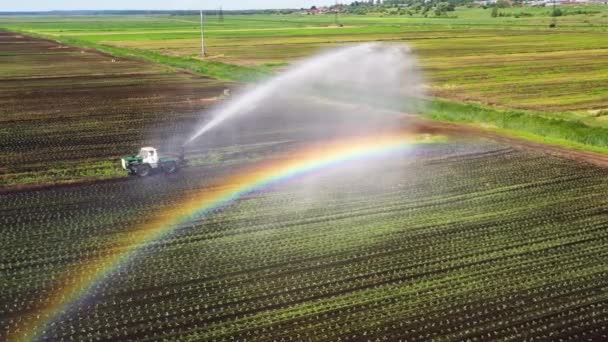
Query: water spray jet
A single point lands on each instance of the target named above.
(372, 73)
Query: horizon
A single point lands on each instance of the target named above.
(156, 5)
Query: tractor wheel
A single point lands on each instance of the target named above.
(143, 170)
(170, 167)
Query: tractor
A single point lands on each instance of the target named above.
(148, 161)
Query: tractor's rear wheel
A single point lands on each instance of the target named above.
(170, 167)
(143, 170)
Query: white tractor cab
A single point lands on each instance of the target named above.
(149, 156)
(148, 161)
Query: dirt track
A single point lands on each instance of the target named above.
(421, 125)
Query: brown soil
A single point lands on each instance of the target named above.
(63, 108)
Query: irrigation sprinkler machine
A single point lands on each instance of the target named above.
(148, 161)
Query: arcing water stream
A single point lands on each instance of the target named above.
(371, 73)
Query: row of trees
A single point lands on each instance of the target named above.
(410, 7)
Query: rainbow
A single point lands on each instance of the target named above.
(222, 192)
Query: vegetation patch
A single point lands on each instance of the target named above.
(543, 128)
(464, 245)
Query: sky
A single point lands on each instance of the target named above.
(49, 5)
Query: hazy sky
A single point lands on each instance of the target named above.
(47, 5)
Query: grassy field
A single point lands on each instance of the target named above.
(506, 61)
(514, 62)
(459, 240)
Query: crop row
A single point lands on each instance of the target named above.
(459, 242)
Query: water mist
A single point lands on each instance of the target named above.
(343, 87)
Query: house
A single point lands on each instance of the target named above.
(318, 10)
(485, 2)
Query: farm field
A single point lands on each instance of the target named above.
(515, 61)
(280, 227)
(461, 240)
(69, 113)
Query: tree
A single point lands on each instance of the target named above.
(556, 12)
(427, 7)
(441, 8)
(503, 4)
(494, 11)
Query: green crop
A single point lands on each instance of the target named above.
(469, 240)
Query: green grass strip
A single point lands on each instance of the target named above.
(532, 126)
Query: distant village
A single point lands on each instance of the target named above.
(534, 3)
(541, 3)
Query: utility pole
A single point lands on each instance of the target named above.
(554, 20)
(221, 18)
(203, 52)
(336, 21)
